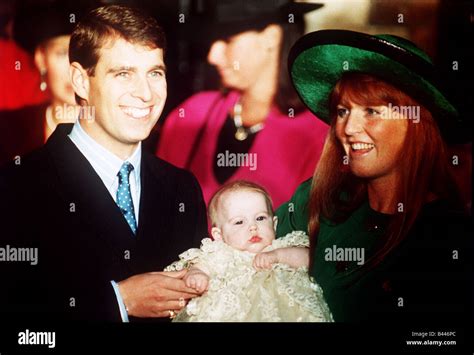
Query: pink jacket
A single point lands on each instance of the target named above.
(286, 150)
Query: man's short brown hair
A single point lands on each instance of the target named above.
(110, 22)
(237, 185)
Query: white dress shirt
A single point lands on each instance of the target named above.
(107, 165)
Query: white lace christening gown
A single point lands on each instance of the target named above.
(239, 293)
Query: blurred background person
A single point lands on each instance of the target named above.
(43, 31)
(19, 84)
(440, 27)
(255, 128)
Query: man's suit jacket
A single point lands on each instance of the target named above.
(56, 202)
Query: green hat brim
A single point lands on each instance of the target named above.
(319, 59)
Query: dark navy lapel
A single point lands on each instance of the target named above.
(156, 213)
(81, 185)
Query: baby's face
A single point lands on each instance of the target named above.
(244, 222)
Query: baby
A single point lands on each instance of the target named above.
(248, 275)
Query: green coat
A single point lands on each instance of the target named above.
(425, 278)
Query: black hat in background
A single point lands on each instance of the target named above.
(213, 19)
(36, 22)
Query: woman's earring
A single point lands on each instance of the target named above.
(43, 84)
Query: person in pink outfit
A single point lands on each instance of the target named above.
(257, 129)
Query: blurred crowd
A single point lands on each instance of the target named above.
(252, 110)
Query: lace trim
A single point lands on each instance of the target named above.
(238, 292)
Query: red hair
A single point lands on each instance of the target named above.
(336, 192)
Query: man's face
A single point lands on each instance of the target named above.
(128, 92)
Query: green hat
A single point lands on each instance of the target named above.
(319, 59)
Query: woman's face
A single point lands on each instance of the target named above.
(242, 59)
(372, 140)
(53, 58)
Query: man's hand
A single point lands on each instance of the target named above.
(155, 294)
(265, 260)
(197, 280)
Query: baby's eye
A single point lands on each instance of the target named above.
(238, 222)
(261, 218)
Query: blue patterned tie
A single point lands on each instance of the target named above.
(124, 196)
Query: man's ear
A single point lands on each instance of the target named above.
(216, 233)
(79, 80)
(275, 222)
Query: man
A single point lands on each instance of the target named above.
(104, 215)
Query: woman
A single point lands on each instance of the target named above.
(247, 132)
(388, 231)
(28, 128)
